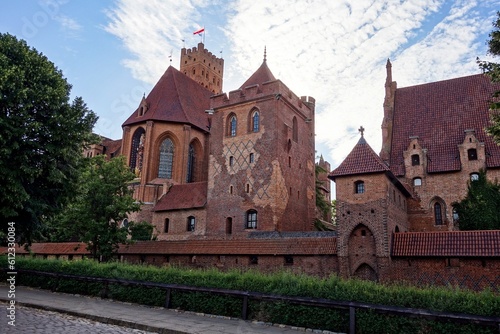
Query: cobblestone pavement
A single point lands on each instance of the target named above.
(35, 321)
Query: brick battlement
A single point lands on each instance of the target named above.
(276, 89)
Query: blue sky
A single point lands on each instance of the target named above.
(114, 51)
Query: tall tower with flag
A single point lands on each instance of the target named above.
(203, 67)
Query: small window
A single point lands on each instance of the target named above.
(231, 161)
(166, 226)
(359, 187)
(254, 259)
(415, 160)
(417, 182)
(438, 214)
(251, 221)
(288, 260)
(295, 130)
(229, 225)
(472, 154)
(191, 224)
(251, 158)
(474, 177)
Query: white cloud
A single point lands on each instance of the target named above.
(335, 51)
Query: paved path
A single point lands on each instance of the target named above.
(36, 321)
(152, 319)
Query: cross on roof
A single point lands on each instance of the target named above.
(361, 129)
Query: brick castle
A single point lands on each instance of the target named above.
(228, 180)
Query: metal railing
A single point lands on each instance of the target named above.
(490, 321)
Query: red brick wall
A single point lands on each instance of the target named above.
(471, 273)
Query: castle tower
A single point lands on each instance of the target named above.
(203, 67)
(261, 164)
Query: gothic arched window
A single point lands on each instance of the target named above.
(232, 124)
(438, 214)
(256, 122)
(166, 159)
(190, 164)
(136, 141)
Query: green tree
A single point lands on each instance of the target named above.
(42, 137)
(493, 71)
(104, 199)
(480, 209)
(142, 231)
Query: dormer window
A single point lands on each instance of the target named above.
(415, 160)
(472, 154)
(359, 187)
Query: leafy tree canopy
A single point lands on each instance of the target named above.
(493, 70)
(42, 137)
(103, 200)
(480, 209)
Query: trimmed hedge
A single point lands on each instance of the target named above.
(283, 283)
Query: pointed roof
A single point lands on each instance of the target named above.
(175, 98)
(263, 74)
(361, 160)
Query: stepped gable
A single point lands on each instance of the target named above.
(361, 160)
(288, 246)
(263, 74)
(450, 243)
(175, 98)
(439, 113)
(183, 196)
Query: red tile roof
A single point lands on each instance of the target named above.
(112, 147)
(175, 98)
(263, 74)
(284, 246)
(361, 160)
(183, 196)
(438, 113)
(453, 243)
(53, 248)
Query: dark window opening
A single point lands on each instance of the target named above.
(191, 224)
(415, 160)
(166, 226)
(472, 154)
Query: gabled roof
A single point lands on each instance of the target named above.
(453, 243)
(361, 160)
(263, 74)
(183, 196)
(175, 98)
(439, 113)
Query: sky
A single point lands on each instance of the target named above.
(112, 52)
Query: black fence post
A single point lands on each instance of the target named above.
(244, 310)
(352, 320)
(167, 298)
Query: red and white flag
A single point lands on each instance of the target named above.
(199, 31)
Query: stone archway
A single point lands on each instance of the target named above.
(362, 253)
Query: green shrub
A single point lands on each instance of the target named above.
(282, 283)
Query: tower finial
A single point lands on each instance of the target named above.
(362, 130)
(265, 56)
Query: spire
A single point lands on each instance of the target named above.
(388, 67)
(265, 56)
